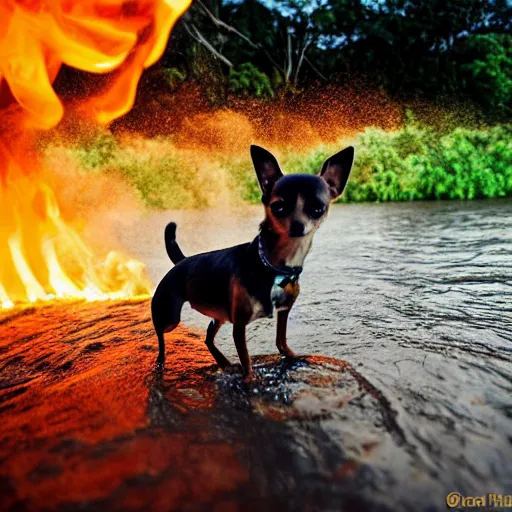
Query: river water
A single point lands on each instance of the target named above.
(416, 296)
(430, 276)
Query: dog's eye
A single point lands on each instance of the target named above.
(278, 208)
(316, 211)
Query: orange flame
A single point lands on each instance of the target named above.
(40, 256)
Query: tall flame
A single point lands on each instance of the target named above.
(40, 256)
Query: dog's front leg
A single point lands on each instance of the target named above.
(219, 357)
(243, 354)
(282, 323)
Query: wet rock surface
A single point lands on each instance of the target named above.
(90, 423)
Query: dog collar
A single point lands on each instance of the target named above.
(292, 273)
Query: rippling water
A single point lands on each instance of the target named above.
(417, 296)
(433, 274)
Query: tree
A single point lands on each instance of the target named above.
(487, 71)
(410, 48)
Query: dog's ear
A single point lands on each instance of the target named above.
(336, 171)
(267, 170)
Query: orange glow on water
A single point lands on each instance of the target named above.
(41, 257)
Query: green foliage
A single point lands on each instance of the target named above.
(488, 74)
(417, 164)
(442, 50)
(173, 76)
(207, 72)
(163, 177)
(250, 81)
(95, 152)
(157, 177)
(414, 163)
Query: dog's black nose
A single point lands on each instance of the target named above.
(297, 229)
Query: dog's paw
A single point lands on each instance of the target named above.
(160, 362)
(250, 378)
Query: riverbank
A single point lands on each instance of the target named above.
(212, 166)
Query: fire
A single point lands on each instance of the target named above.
(41, 257)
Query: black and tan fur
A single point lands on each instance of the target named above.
(234, 285)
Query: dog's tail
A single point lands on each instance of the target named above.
(171, 246)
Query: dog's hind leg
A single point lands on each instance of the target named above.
(219, 357)
(161, 347)
(166, 317)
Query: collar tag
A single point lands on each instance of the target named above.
(284, 280)
(279, 295)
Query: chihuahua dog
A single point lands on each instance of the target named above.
(249, 281)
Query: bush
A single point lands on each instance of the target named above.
(174, 77)
(163, 176)
(250, 81)
(96, 151)
(414, 163)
